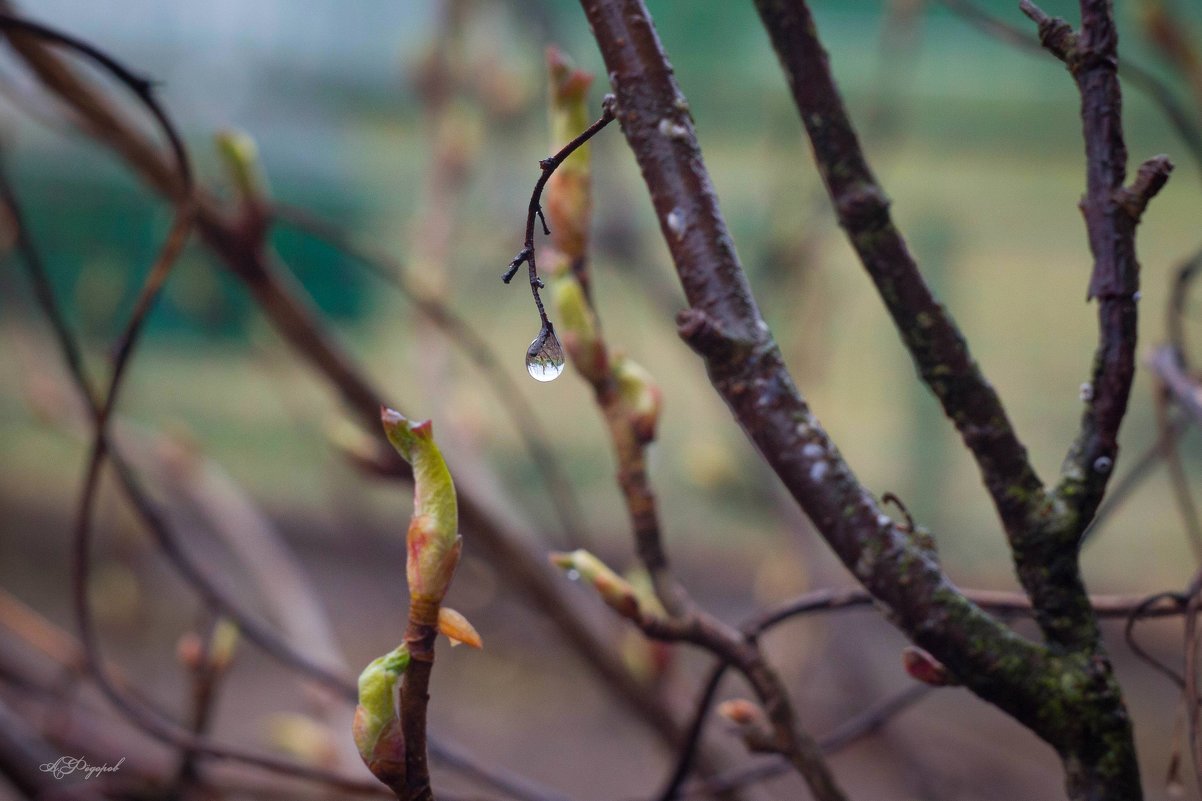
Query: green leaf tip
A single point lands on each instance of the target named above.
(240, 154)
(616, 591)
(404, 434)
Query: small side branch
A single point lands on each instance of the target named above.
(535, 209)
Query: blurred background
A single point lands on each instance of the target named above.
(978, 144)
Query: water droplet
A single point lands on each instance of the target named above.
(544, 357)
(676, 222)
(574, 575)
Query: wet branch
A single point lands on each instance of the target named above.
(535, 209)
(1139, 77)
(927, 329)
(898, 567)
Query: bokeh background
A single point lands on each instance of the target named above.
(978, 144)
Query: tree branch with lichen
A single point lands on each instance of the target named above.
(1070, 699)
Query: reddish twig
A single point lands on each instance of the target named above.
(850, 731)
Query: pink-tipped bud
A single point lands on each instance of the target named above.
(925, 668)
(433, 541)
(742, 712)
(750, 721)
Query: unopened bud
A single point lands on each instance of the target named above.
(568, 203)
(189, 650)
(742, 712)
(578, 324)
(926, 668)
(241, 157)
(302, 737)
(614, 590)
(640, 394)
(222, 643)
(433, 541)
(749, 720)
(458, 629)
(377, 704)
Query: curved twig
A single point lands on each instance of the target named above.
(535, 209)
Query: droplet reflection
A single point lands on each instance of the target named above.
(544, 357)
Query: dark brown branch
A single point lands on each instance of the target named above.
(414, 698)
(724, 326)
(927, 329)
(1153, 87)
(1111, 213)
(535, 209)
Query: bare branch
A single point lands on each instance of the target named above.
(927, 329)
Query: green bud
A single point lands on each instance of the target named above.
(568, 202)
(433, 541)
(640, 394)
(614, 590)
(241, 157)
(377, 691)
(578, 327)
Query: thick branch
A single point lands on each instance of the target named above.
(725, 327)
(927, 329)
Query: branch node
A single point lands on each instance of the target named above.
(707, 336)
(862, 208)
(1150, 179)
(1056, 35)
(522, 257)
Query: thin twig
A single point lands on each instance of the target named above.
(465, 337)
(631, 430)
(535, 209)
(850, 731)
(1142, 79)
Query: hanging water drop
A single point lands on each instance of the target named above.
(544, 357)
